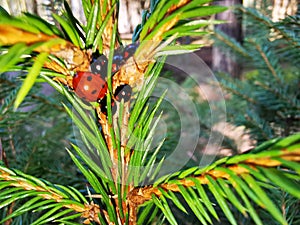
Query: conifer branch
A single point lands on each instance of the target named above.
(267, 62)
(140, 195)
(89, 211)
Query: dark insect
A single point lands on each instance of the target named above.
(118, 61)
(130, 50)
(99, 65)
(123, 92)
(99, 62)
(103, 105)
(121, 56)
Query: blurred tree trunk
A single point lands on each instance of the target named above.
(16, 7)
(130, 15)
(43, 8)
(282, 8)
(224, 61)
(77, 9)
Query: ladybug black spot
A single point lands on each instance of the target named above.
(94, 92)
(89, 78)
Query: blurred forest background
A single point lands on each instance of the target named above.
(255, 57)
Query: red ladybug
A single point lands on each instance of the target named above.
(89, 86)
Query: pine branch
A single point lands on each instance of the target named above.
(46, 196)
(270, 107)
(231, 43)
(145, 193)
(287, 34)
(269, 64)
(45, 193)
(259, 165)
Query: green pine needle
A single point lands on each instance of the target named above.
(30, 78)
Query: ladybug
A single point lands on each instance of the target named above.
(89, 86)
(104, 106)
(130, 50)
(99, 65)
(118, 61)
(123, 92)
